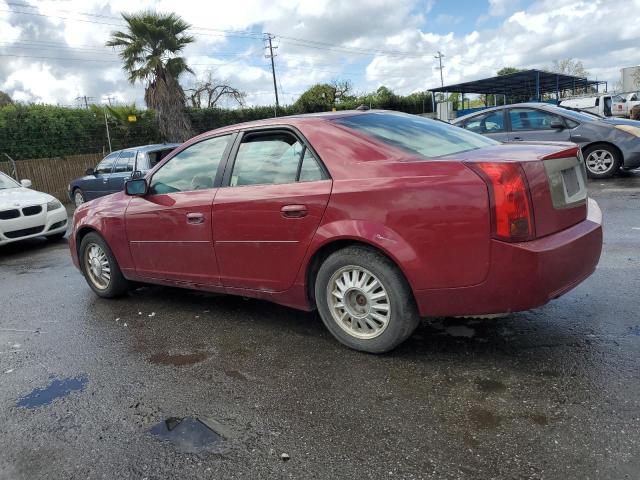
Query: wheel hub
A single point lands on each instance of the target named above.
(358, 302)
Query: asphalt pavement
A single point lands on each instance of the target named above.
(169, 383)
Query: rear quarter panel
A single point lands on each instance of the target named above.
(432, 217)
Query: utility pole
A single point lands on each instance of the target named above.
(273, 68)
(85, 99)
(106, 124)
(439, 57)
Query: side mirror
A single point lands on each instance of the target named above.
(89, 171)
(557, 125)
(136, 187)
(26, 183)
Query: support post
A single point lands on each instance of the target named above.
(273, 70)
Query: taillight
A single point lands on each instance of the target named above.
(511, 212)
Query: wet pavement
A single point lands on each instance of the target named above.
(167, 383)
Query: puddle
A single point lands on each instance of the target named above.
(187, 435)
(484, 419)
(490, 386)
(460, 331)
(539, 419)
(57, 389)
(178, 360)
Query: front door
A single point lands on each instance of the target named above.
(269, 210)
(122, 171)
(532, 124)
(170, 229)
(97, 185)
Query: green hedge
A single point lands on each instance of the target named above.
(43, 131)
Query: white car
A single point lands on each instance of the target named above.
(26, 213)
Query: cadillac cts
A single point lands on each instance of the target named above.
(374, 218)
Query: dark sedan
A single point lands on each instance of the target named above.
(608, 144)
(110, 174)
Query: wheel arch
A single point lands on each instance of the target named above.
(324, 250)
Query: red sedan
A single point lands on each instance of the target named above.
(374, 218)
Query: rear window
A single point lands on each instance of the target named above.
(417, 135)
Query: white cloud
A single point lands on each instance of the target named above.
(596, 32)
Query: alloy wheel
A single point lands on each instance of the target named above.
(599, 161)
(358, 302)
(78, 198)
(97, 266)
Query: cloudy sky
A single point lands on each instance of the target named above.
(53, 50)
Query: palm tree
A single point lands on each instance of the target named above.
(150, 49)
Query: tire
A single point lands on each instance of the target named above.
(78, 197)
(56, 236)
(602, 160)
(362, 297)
(93, 245)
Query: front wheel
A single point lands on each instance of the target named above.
(364, 300)
(100, 267)
(78, 197)
(602, 161)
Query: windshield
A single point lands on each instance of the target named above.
(415, 134)
(7, 182)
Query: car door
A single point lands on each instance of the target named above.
(121, 171)
(491, 124)
(532, 124)
(170, 230)
(97, 184)
(273, 197)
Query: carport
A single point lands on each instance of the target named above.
(529, 85)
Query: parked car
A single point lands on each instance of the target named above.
(603, 105)
(110, 174)
(374, 218)
(26, 213)
(608, 144)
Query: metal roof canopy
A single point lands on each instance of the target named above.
(531, 83)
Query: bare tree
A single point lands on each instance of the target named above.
(342, 89)
(208, 91)
(569, 66)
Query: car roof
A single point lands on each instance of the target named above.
(295, 120)
(149, 148)
(542, 105)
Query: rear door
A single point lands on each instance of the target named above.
(532, 124)
(170, 230)
(273, 197)
(492, 124)
(121, 171)
(97, 185)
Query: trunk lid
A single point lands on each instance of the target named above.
(556, 179)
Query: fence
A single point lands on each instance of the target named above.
(52, 175)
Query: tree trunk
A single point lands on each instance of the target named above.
(166, 97)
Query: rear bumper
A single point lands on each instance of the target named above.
(524, 275)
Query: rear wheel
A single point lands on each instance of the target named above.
(602, 160)
(100, 267)
(364, 300)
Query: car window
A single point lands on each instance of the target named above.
(271, 158)
(7, 182)
(310, 171)
(106, 165)
(194, 168)
(492, 122)
(414, 134)
(531, 119)
(125, 162)
(157, 155)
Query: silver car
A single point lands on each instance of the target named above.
(608, 144)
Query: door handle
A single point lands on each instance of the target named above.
(517, 139)
(294, 211)
(195, 218)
